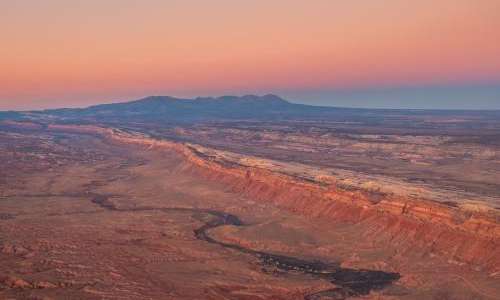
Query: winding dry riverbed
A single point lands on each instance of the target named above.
(348, 282)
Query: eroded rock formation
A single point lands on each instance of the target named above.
(461, 236)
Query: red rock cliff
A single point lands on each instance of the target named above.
(412, 224)
(462, 236)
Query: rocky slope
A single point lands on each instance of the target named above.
(417, 225)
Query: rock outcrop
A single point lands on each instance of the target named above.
(435, 228)
(461, 236)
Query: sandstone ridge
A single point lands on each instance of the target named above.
(459, 235)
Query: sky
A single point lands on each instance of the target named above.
(359, 53)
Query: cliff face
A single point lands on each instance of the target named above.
(413, 224)
(433, 228)
(461, 236)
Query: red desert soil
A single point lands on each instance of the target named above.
(102, 214)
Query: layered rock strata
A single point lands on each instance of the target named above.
(461, 236)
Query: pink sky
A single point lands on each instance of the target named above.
(66, 53)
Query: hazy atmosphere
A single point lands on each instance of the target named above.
(250, 149)
(421, 54)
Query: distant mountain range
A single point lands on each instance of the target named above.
(250, 107)
(165, 108)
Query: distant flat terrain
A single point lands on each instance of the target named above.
(450, 165)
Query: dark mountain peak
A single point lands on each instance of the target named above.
(251, 98)
(273, 97)
(202, 108)
(154, 99)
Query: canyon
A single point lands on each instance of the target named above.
(282, 209)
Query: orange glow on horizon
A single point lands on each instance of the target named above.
(58, 49)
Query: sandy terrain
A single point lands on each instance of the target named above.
(87, 217)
